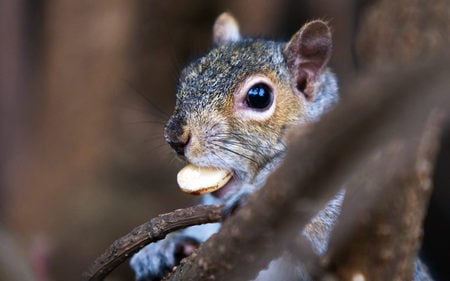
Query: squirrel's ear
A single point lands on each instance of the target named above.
(307, 53)
(226, 29)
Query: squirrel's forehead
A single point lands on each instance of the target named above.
(239, 57)
(223, 67)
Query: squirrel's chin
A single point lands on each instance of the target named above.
(227, 190)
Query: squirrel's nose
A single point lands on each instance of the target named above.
(178, 140)
(179, 145)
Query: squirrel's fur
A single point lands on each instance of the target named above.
(213, 126)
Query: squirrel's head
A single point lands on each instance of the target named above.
(234, 104)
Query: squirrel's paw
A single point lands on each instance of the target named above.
(154, 260)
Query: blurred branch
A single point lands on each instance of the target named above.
(379, 231)
(149, 232)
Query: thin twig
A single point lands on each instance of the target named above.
(149, 232)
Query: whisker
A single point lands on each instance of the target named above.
(252, 150)
(233, 138)
(153, 105)
(221, 160)
(147, 122)
(236, 153)
(156, 138)
(247, 146)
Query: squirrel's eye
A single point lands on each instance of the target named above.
(259, 96)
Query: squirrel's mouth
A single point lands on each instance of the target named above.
(226, 190)
(197, 180)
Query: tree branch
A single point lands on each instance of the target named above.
(379, 231)
(149, 232)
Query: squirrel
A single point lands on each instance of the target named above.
(233, 108)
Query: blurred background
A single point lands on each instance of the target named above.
(85, 90)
